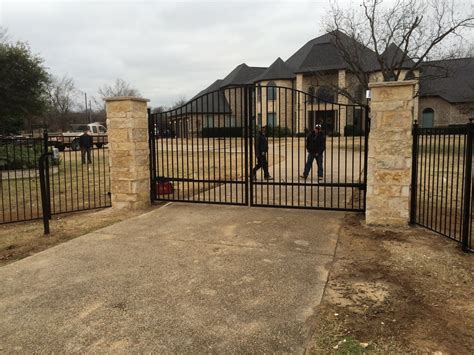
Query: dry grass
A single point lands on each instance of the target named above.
(74, 187)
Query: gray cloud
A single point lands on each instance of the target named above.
(164, 49)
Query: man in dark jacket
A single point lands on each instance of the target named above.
(261, 150)
(315, 146)
(85, 142)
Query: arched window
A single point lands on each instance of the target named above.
(427, 118)
(271, 91)
(410, 75)
(326, 94)
(259, 92)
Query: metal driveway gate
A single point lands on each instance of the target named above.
(204, 151)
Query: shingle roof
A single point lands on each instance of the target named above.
(453, 79)
(393, 55)
(214, 101)
(278, 70)
(241, 75)
(322, 53)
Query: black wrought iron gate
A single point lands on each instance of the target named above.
(204, 151)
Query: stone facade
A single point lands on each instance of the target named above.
(390, 149)
(445, 113)
(127, 123)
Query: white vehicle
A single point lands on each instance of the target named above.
(70, 139)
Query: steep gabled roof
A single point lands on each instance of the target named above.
(241, 75)
(214, 101)
(278, 70)
(323, 53)
(393, 55)
(452, 80)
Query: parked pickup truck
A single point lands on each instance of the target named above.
(70, 139)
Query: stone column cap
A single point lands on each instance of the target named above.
(392, 83)
(125, 98)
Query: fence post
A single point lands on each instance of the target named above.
(151, 143)
(467, 188)
(45, 196)
(46, 171)
(248, 143)
(414, 174)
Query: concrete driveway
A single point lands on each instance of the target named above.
(185, 278)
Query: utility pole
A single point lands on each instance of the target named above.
(85, 100)
(90, 112)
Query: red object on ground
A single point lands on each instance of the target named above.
(164, 188)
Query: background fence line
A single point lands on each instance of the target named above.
(73, 185)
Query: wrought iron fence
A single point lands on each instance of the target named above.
(205, 150)
(74, 182)
(442, 191)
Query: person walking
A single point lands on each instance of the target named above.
(85, 142)
(315, 146)
(261, 150)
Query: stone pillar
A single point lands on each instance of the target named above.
(389, 159)
(127, 130)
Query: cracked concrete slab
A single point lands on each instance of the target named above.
(182, 278)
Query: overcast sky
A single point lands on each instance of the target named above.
(164, 49)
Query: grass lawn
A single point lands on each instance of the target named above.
(74, 187)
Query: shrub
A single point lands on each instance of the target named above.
(220, 132)
(14, 156)
(278, 132)
(19, 157)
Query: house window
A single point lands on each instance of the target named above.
(259, 120)
(326, 94)
(311, 94)
(410, 75)
(327, 119)
(271, 91)
(259, 93)
(357, 119)
(230, 121)
(209, 123)
(427, 118)
(271, 119)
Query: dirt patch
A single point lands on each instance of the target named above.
(398, 291)
(19, 240)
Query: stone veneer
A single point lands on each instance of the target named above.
(127, 130)
(390, 147)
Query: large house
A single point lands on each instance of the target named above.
(446, 91)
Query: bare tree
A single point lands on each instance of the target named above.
(62, 94)
(4, 38)
(180, 102)
(119, 88)
(159, 109)
(400, 37)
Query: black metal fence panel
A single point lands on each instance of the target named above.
(76, 179)
(206, 150)
(441, 181)
(79, 179)
(20, 185)
(199, 150)
(333, 177)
